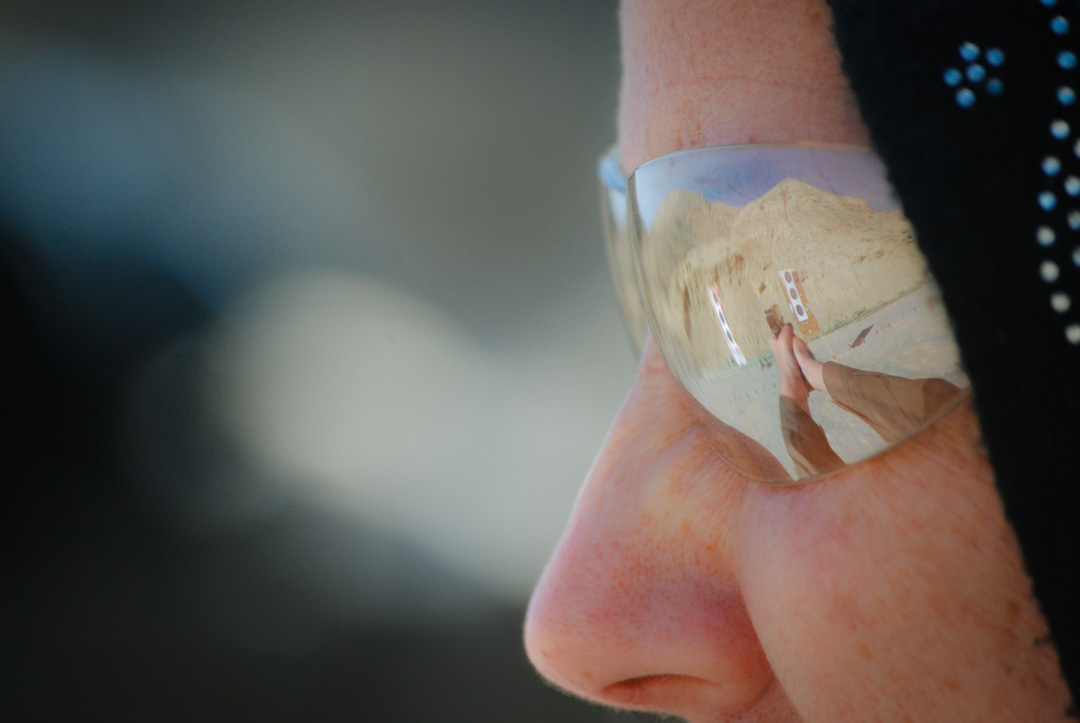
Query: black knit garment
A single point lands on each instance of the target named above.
(973, 106)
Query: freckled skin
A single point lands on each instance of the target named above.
(892, 591)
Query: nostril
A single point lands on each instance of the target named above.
(654, 692)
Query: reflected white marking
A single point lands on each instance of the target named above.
(791, 293)
(733, 346)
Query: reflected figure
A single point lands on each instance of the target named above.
(894, 407)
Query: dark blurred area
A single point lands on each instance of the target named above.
(308, 342)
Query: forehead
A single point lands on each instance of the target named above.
(706, 73)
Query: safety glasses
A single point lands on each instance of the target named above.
(784, 288)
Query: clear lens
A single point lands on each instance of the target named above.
(617, 245)
(729, 244)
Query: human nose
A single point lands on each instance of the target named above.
(639, 607)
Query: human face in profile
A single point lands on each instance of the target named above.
(891, 590)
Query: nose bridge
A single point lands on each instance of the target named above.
(639, 589)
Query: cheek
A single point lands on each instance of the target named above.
(891, 587)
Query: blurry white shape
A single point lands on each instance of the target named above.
(347, 381)
(357, 390)
(381, 408)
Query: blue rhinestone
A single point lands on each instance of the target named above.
(995, 87)
(1059, 129)
(1076, 256)
(1051, 165)
(969, 51)
(1074, 220)
(1049, 271)
(976, 72)
(1076, 148)
(1067, 59)
(1072, 186)
(1047, 200)
(995, 57)
(965, 98)
(1045, 235)
(1049, 3)
(1066, 95)
(952, 77)
(1059, 25)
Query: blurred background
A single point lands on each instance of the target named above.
(308, 342)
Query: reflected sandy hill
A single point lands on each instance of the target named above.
(849, 258)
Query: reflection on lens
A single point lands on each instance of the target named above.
(731, 245)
